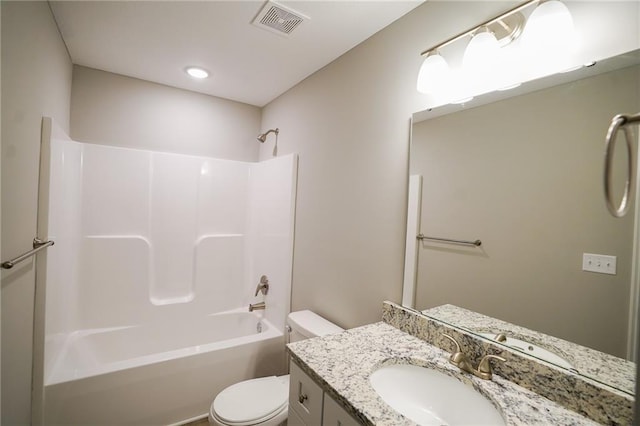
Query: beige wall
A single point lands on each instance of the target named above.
(524, 175)
(36, 81)
(106, 108)
(112, 109)
(0, 212)
(349, 123)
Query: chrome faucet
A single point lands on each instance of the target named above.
(461, 361)
(263, 285)
(257, 306)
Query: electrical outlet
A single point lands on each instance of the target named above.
(599, 263)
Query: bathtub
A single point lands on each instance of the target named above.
(158, 374)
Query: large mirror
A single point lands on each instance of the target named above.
(524, 175)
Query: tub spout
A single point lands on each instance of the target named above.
(257, 306)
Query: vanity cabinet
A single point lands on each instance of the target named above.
(294, 419)
(309, 405)
(334, 415)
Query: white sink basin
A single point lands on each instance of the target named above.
(532, 349)
(429, 397)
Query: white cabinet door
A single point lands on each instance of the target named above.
(305, 397)
(334, 415)
(294, 419)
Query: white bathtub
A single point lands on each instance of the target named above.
(158, 374)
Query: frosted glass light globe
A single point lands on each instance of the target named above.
(549, 38)
(434, 75)
(481, 51)
(482, 62)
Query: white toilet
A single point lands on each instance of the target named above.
(265, 401)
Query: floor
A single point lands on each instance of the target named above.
(201, 422)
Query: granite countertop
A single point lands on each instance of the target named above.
(613, 371)
(341, 364)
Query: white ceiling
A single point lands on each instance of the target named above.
(156, 40)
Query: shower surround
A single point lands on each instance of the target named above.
(156, 260)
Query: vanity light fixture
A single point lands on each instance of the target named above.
(550, 26)
(197, 72)
(505, 28)
(481, 61)
(433, 74)
(486, 65)
(482, 47)
(548, 37)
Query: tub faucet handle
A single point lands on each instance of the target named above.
(263, 285)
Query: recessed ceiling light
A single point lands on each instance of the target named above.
(196, 72)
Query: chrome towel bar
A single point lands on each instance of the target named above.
(38, 245)
(476, 243)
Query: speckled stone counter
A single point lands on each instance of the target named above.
(595, 400)
(608, 369)
(341, 365)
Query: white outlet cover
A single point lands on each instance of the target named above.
(600, 263)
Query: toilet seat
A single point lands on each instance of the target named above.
(252, 402)
(277, 419)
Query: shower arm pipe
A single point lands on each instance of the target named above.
(477, 27)
(38, 245)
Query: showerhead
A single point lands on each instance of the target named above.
(263, 136)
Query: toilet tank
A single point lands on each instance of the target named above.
(307, 324)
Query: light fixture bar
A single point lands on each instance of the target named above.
(484, 24)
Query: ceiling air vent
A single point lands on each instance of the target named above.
(278, 19)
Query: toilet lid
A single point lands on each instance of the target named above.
(252, 400)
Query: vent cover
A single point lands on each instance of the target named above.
(278, 19)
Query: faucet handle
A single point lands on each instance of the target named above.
(458, 348)
(484, 368)
(500, 337)
(457, 358)
(263, 285)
